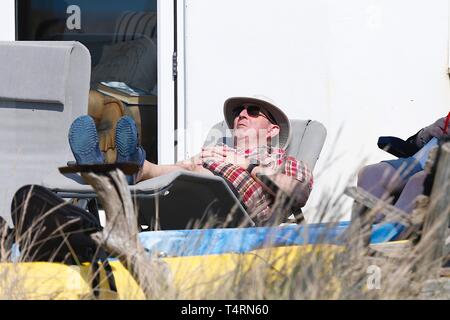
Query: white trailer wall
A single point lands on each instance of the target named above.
(7, 20)
(368, 67)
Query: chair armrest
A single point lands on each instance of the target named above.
(397, 147)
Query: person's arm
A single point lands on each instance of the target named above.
(151, 170)
(295, 179)
(422, 137)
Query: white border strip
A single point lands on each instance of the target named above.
(181, 152)
(7, 20)
(165, 83)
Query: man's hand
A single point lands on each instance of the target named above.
(193, 164)
(224, 154)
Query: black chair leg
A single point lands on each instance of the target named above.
(92, 207)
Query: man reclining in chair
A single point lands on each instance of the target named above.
(404, 176)
(261, 133)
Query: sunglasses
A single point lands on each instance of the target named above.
(253, 111)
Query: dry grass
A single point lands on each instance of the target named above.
(316, 271)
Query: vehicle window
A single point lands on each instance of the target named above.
(121, 36)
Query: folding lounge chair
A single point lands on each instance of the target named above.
(179, 198)
(44, 86)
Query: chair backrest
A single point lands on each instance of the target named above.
(132, 25)
(44, 86)
(132, 57)
(307, 139)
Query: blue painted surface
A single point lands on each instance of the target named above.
(219, 241)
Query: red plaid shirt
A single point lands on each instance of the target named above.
(253, 196)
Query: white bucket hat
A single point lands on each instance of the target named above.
(269, 106)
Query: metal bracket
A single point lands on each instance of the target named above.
(175, 66)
